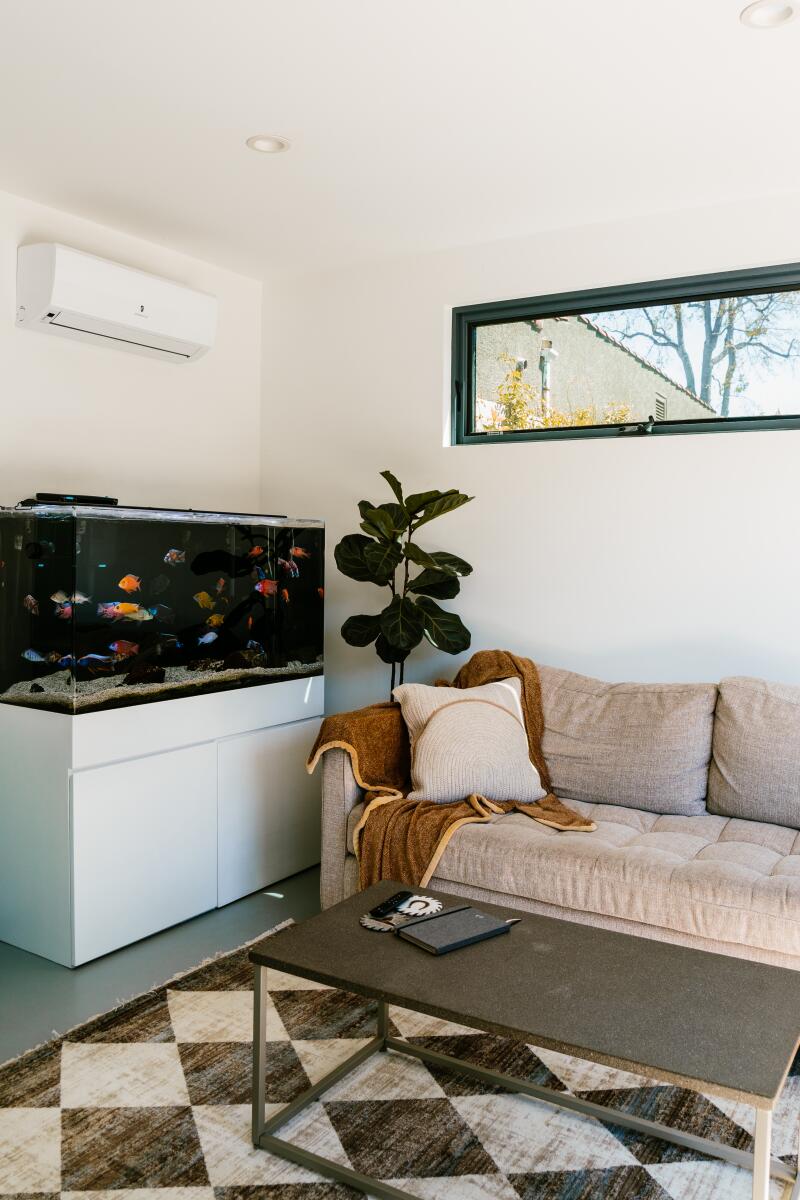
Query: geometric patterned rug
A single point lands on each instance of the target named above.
(151, 1102)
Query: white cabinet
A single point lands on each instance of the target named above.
(269, 808)
(144, 847)
(119, 823)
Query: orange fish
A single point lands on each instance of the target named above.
(299, 552)
(249, 623)
(124, 649)
(220, 586)
(114, 610)
(256, 552)
(130, 583)
(321, 593)
(285, 595)
(267, 587)
(215, 620)
(204, 600)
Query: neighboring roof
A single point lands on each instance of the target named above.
(608, 337)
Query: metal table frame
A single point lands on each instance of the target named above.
(760, 1162)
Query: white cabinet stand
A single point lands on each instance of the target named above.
(119, 823)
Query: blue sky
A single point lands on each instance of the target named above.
(768, 390)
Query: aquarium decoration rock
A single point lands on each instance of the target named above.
(144, 672)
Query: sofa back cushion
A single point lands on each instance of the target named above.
(755, 768)
(641, 745)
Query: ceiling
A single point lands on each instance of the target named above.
(414, 126)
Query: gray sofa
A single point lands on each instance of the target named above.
(695, 790)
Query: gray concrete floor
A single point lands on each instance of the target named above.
(39, 998)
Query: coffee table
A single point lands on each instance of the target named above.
(708, 1022)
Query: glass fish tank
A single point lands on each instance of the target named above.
(104, 606)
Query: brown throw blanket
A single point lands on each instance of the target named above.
(403, 839)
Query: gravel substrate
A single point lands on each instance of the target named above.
(61, 693)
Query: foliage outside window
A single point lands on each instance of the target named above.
(693, 355)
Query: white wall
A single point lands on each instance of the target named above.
(100, 420)
(654, 558)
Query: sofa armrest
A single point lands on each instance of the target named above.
(340, 795)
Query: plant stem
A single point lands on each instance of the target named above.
(405, 577)
(391, 686)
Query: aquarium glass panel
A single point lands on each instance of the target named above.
(101, 607)
(37, 590)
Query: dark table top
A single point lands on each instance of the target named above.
(706, 1021)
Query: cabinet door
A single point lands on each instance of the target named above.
(144, 847)
(269, 808)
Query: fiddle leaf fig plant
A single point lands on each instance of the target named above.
(385, 547)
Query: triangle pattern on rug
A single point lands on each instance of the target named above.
(151, 1101)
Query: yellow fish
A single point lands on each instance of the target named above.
(204, 600)
(215, 620)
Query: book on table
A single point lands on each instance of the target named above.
(451, 929)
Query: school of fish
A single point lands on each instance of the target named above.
(129, 611)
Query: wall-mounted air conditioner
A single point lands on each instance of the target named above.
(76, 295)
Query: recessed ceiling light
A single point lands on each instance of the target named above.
(767, 14)
(268, 143)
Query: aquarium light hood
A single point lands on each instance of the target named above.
(72, 294)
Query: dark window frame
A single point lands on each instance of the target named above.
(467, 318)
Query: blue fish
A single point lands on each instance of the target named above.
(33, 656)
(251, 645)
(207, 639)
(87, 658)
(66, 661)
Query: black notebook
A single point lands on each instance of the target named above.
(451, 929)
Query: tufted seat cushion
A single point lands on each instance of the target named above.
(715, 878)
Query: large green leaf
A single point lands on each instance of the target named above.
(419, 556)
(417, 500)
(396, 514)
(440, 584)
(444, 504)
(361, 630)
(349, 557)
(402, 623)
(378, 523)
(383, 558)
(389, 653)
(437, 560)
(450, 562)
(395, 484)
(444, 630)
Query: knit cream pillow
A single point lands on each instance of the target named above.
(466, 740)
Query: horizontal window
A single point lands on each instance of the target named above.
(697, 355)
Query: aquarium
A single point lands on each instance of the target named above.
(105, 606)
